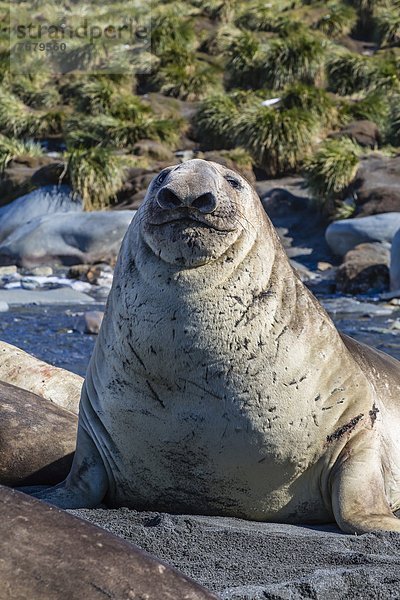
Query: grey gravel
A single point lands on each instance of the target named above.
(244, 560)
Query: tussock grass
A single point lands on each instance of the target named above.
(92, 95)
(36, 94)
(296, 58)
(108, 131)
(331, 169)
(16, 119)
(191, 81)
(387, 25)
(348, 73)
(169, 28)
(315, 101)
(11, 149)
(96, 175)
(339, 20)
(278, 140)
(372, 107)
(243, 67)
(394, 123)
(215, 122)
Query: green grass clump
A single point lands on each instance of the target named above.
(296, 58)
(278, 140)
(339, 20)
(331, 169)
(217, 10)
(11, 149)
(36, 95)
(373, 107)
(394, 122)
(388, 25)
(16, 119)
(243, 67)
(91, 96)
(314, 100)
(215, 122)
(264, 17)
(169, 29)
(191, 81)
(108, 131)
(96, 175)
(348, 73)
(283, 61)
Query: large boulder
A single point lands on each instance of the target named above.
(365, 133)
(345, 235)
(395, 263)
(67, 239)
(33, 375)
(43, 201)
(17, 178)
(365, 269)
(377, 185)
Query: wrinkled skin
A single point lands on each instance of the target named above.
(219, 385)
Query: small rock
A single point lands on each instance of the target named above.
(364, 270)
(3, 306)
(377, 185)
(365, 133)
(324, 266)
(93, 321)
(40, 271)
(395, 324)
(395, 302)
(100, 274)
(8, 270)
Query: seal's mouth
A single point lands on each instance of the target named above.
(188, 219)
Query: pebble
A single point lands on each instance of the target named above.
(3, 306)
(43, 271)
(8, 270)
(324, 266)
(93, 320)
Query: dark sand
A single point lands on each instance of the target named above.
(244, 560)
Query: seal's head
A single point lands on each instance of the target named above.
(194, 212)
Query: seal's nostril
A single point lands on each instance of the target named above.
(206, 203)
(167, 199)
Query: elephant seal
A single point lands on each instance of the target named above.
(219, 385)
(47, 553)
(37, 439)
(52, 383)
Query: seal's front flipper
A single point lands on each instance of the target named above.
(87, 483)
(359, 501)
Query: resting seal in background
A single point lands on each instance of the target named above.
(219, 385)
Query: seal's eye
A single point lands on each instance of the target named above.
(233, 182)
(161, 177)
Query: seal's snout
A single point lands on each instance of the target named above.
(169, 199)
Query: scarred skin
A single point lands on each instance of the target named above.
(219, 385)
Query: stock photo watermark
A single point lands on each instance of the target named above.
(107, 38)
